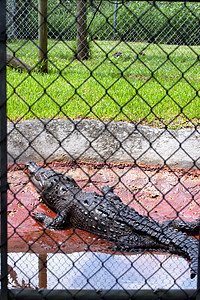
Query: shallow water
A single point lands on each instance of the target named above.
(95, 270)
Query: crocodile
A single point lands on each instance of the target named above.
(106, 216)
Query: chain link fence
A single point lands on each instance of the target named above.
(138, 21)
(126, 115)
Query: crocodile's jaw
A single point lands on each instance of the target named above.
(32, 169)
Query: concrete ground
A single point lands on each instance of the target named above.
(96, 141)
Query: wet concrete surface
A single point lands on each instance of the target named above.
(160, 192)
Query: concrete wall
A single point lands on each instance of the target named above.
(90, 140)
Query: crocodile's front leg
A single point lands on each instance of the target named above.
(59, 222)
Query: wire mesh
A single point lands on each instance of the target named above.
(136, 21)
(124, 113)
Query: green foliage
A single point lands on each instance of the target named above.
(136, 21)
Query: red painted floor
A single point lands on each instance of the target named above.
(162, 193)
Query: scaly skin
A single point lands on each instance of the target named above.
(107, 217)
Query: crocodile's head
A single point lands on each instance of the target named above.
(42, 179)
(34, 173)
(32, 168)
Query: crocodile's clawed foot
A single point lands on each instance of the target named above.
(44, 219)
(40, 217)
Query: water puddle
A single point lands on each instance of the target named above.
(95, 270)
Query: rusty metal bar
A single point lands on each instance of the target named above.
(42, 265)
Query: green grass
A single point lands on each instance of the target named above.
(147, 84)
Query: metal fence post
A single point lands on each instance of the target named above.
(198, 275)
(26, 33)
(115, 19)
(3, 150)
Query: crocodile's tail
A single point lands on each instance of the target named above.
(184, 244)
(187, 244)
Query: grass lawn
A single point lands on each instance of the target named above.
(149, 84)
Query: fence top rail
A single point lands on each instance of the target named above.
(106, 294)
(154, 1)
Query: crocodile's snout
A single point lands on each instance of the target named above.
(31, 167)
(34, 172)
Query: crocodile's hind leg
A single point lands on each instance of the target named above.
(136, 243)
(185, 226)
(59, 222)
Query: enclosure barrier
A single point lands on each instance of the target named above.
(115, 103)
(84, 294)
(3, 150)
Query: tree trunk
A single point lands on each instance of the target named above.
(82, 43)
(42, 35)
